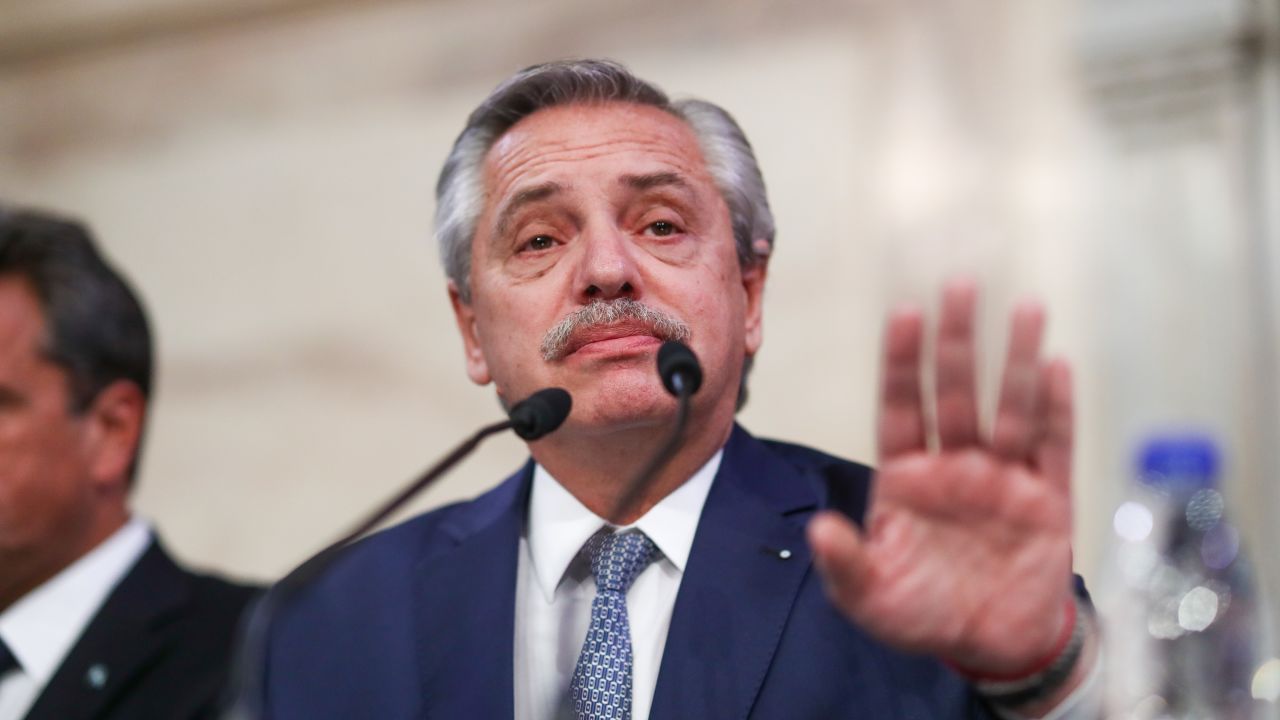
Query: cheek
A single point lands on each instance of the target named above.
(21, 500)
(717, 310)
(37, 454)
(510, 334)
(717, 332)
(33, 485)
(717, 304)
(511, 330)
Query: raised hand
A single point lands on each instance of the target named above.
(966, 551)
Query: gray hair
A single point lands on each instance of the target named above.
(460, 189)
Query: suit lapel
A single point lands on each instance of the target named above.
(748, 559)
(465, 600)
(100, 666)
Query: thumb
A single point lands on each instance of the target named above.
(842, 558)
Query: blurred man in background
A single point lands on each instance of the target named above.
(96, 620)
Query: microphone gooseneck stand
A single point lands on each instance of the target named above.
(682, 376)
(531, 418)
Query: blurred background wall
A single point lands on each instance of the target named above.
(264, 170)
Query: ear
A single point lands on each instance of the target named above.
(753, 277)
(115, 421)
(465, 316)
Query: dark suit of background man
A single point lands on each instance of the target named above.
(96, 619)
(583, 218)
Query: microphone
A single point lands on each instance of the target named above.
(540, 413)
(681, 375)
(531, 418)
(534, 417)
(679, 369)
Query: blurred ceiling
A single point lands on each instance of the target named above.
(37, 30)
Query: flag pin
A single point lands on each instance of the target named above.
(97, 676)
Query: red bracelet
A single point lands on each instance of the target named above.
(1039, 666)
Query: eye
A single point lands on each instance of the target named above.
(662, 228)
(538, 243)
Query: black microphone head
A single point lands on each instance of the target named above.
(676, 359)
(540, 413)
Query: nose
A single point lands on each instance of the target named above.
(608, 269)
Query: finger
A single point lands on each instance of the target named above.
(841, 558)
(957, 407)
(1017, 423)
(1053, 452)
(901, 423)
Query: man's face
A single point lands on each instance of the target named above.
(588, 203)
(46, 492)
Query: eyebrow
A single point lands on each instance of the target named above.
(525, 197)
(654, 180)
(538, 193)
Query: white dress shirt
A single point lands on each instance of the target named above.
(555, 588)
(43, 625)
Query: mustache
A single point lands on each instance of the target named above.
(560, 339)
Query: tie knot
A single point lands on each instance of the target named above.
(616, 559)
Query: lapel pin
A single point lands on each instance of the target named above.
(97, 676)
(783, 554)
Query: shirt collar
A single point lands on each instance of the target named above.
(42, 626)
(559, 525)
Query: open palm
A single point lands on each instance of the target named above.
(966, 552)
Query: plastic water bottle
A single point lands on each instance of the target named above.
(1181, 622)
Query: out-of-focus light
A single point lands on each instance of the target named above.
(1198, 609)
(1151, 706)
(1220, 546)
(1133, 521)
(1136, 563)
(1162, 621)
(1266, 681)
(1204, 509)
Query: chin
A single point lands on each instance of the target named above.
(622, 406)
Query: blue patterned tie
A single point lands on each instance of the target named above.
(601, 685)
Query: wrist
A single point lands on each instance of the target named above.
(1041, 678)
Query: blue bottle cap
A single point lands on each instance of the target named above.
(1179, 460)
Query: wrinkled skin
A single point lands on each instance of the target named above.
(966, 553)
(595, 203)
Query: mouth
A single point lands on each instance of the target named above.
(618, 326)
(619, 338)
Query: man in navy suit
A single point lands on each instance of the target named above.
(97, 622)
(584, 219)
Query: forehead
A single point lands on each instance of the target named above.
(625, 137)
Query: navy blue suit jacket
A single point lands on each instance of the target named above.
(162, 643)
(418, 621)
